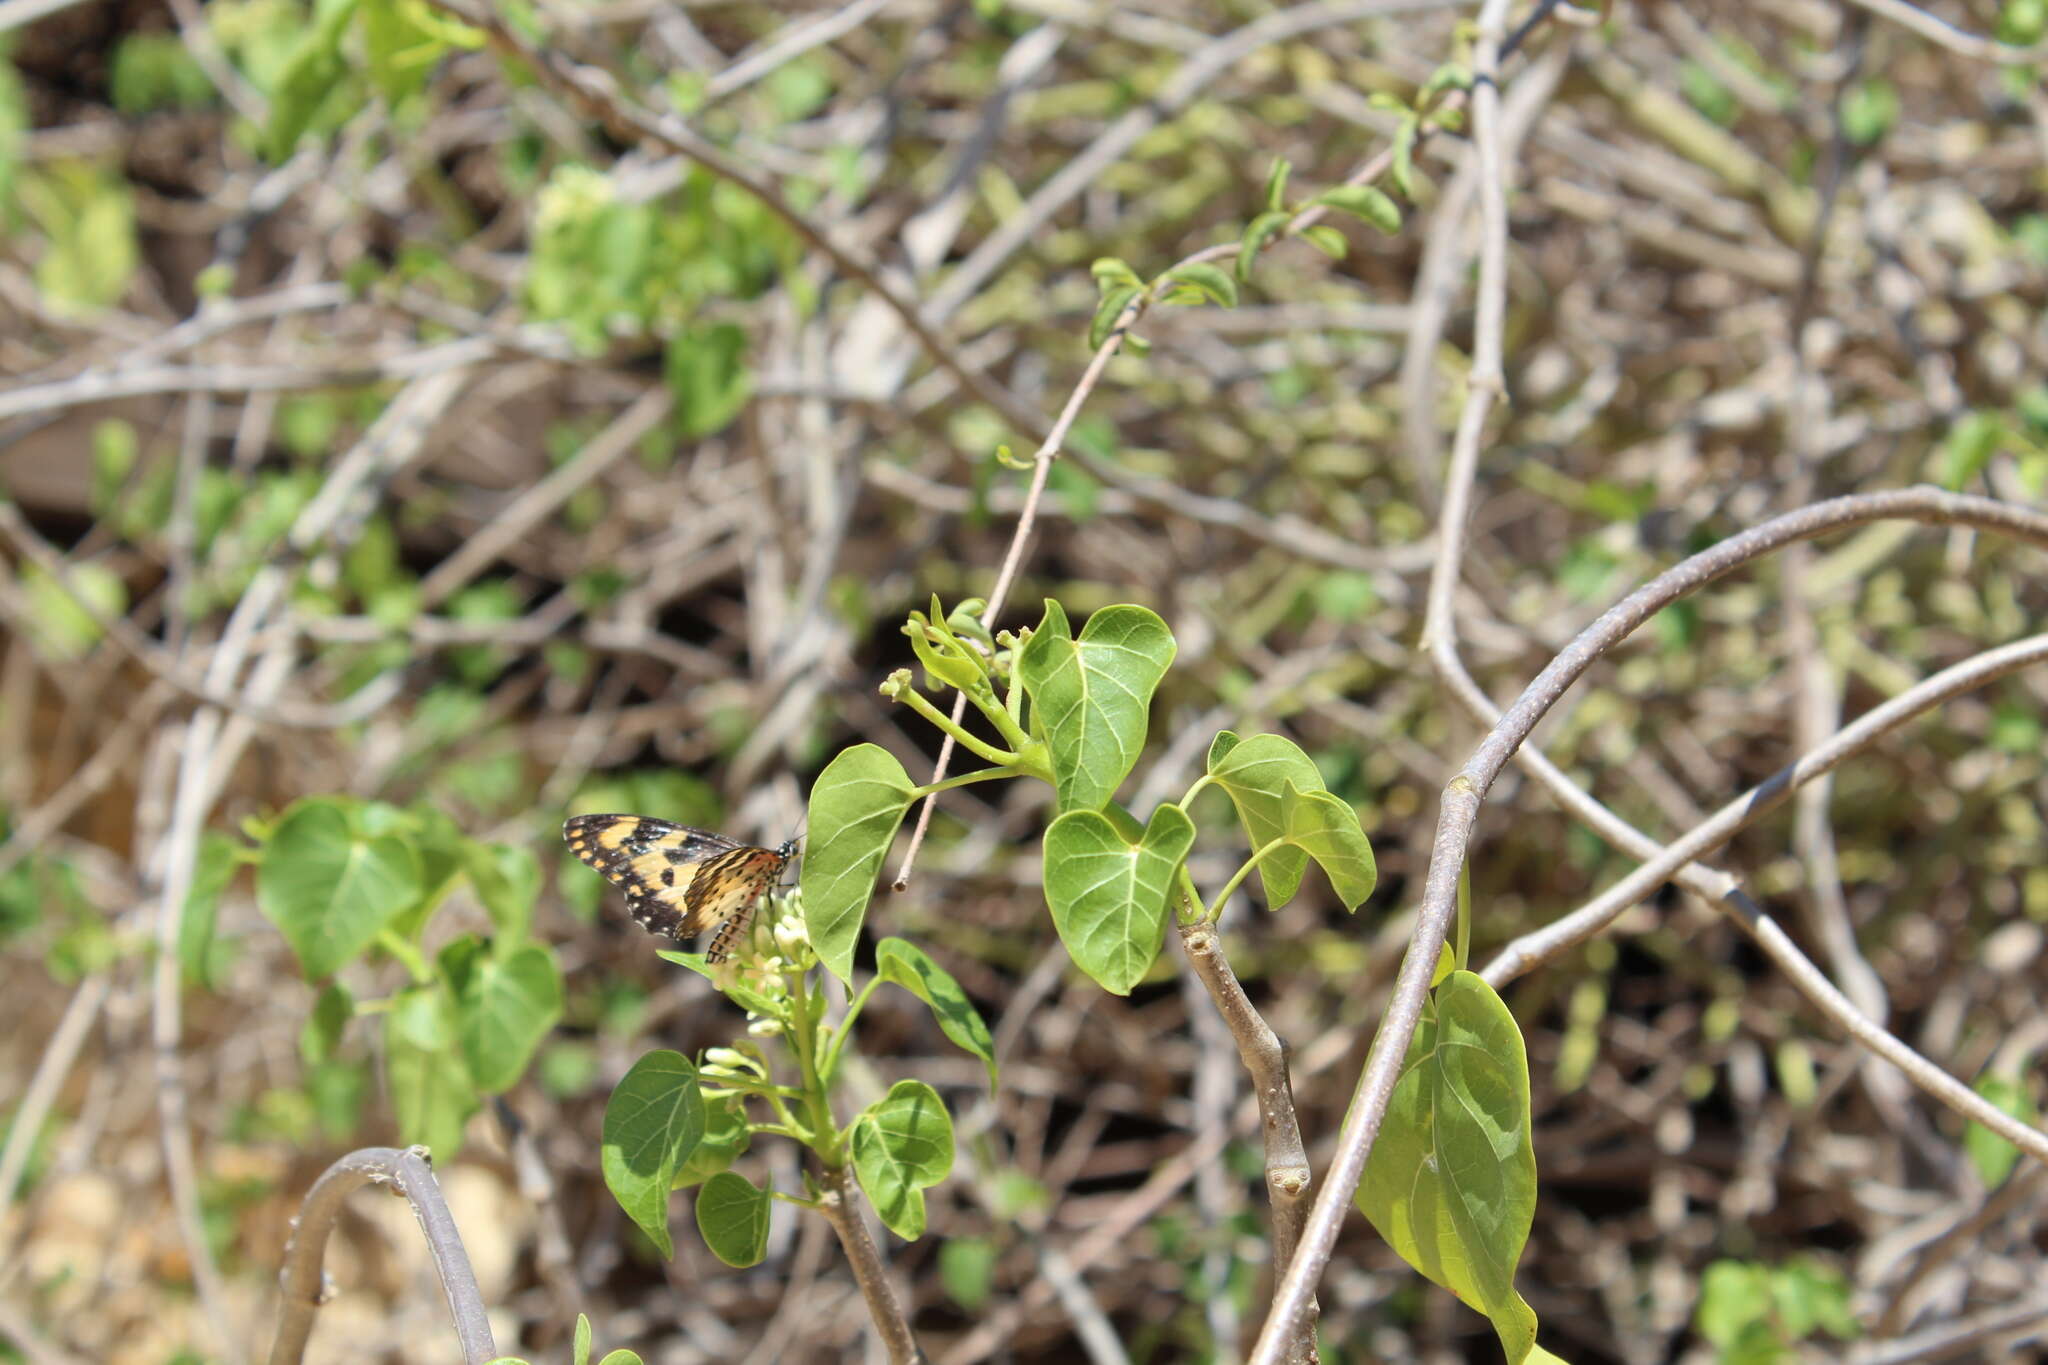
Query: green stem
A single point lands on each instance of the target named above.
(745, 1086)
(998, 713)
(1187, 800)
(415, 962)
(915, 700)
(1013, 703)
(963, 779)
(1237, 878)
(789, 1120)
(830, 1063)
(803, 1036)
(1190, 910)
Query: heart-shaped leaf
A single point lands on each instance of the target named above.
(504, 1007)
(1109, 890)
(902, 1144)
(330, 890)
(506, 878)
(652, 1123)
(1093, 695)
(1328, 830)
(1256, 772)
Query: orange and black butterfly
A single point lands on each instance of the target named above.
(679, 881)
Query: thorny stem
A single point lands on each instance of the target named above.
(1265, 1057)
(838, 1206)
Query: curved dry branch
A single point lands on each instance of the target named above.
(1533, 949)
(1954, 39)
(412, 1176)
(1465, 792)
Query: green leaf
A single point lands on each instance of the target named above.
(856, 805)
(219, 856)
(505, 1006)
(1109, 894)
(401, 54)
(1735, 1301)
(652, 1123)
(153, 71)
(1451, 1183)
(580, 1349)
(1450, 76)
(424, 1015)
(430, 1093)
(439, 844)
(1256, 773)
(946, 661)
(312, 72)
(506, 878)
(1112, 272)
(1108, 311)
(58, 622)
(902, 1144)
(967, 1267)
(726, 1139)
(1327, 240)
(1093, 695)
(707, 371)
(1969, 447)
(1276, 185)
(1810, 1296)
(1363, 201)
(1257, 233)
(329, 890)
(1327, 830)
(1991, 1154)
(908, 966)
(1869, 110)
(1212, 284)
(88, 214)
(732, 1216)
(2022, 22)
(1402, 171)
(325, 1025)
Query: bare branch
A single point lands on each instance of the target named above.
(839, 1204)
(412, 1176)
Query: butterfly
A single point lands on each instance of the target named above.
(679, 881)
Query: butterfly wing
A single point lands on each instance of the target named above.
(726, 889)
(678, 881)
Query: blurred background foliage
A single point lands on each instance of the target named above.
(669, 480)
